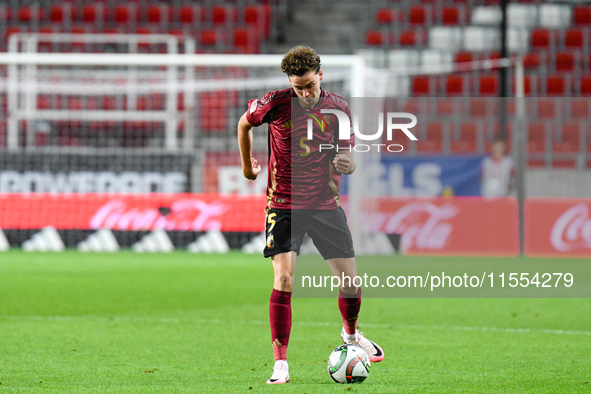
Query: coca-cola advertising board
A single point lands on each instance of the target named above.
(129, 212)
(449, 226)
(557, 227)
(442, 226)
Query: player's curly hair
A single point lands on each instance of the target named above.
(299, 60)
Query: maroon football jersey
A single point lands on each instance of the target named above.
(300, 175)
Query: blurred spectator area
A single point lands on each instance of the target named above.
(218, 26)
(552, 37)
(558, 130)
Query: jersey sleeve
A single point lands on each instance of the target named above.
(260, 110)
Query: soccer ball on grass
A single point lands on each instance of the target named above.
(348, 364)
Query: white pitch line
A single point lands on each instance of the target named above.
(304, 323)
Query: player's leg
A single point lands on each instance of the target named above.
(350, 305)
(349, 295)
(332, 237)
(278, 247)
(280, 314)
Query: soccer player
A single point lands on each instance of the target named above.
(303, 195)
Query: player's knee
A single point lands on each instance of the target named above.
(283, 278)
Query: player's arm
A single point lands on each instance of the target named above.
(250, 168)
(344, 162)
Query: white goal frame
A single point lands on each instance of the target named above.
(26, 83)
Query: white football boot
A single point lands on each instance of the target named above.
(280, 373)
(374, 352)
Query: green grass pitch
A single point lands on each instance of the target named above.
(181, 323)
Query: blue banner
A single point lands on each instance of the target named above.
(421, 176)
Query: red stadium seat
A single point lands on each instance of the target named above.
(410, 38)
(582, 15)
(123, 13)
(454, 85)
(450, 16)
(75, 103)
(585, 87)
(479, 108)
(566, 147)
(252, 15)
(158, 14)
(421, 86)
(432, 142)
(546, 108)
(464, 57)
(246, 41)
(565, 61)
(208, 37)
(188, 14)
(385, 16)
(531, 60)
(259, 16)
(219, 15)
(573, 38)
(59, 13)
(467, 141)
(417, 15)
(540, 38)
(214, 107)
(374, 38)
(579, 108)
(446, 107)
(27, 14)
(495, 55)
(489, 85)
(555, 85)
(569, 140)
(152, 102)
(413, 106)
(43, 102)
(89, 13)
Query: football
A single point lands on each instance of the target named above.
(348, 364)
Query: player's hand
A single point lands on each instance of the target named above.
(252, 172)
(343, 164)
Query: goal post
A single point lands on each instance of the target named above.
(21, 80)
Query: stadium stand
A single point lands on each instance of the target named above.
(184, 18)
(552, 37)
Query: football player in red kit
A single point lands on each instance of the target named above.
(303, 195)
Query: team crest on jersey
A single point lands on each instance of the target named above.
(270, 242)
(320, 120)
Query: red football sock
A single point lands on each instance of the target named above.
(280, 319)
(349, 305)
